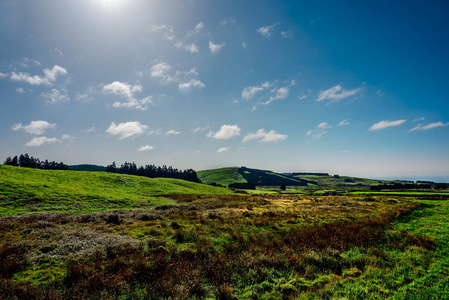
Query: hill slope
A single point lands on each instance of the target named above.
(222, 176)
(25, 190)
(226, 176)
(336, 181)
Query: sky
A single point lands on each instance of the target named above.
(357, 88)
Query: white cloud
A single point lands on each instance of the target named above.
(184, 79)
(140, 104)
(66, 137)
(126, 130)
(302, 97)
(344, 122)
(146, 148)
(249, 91)
(197, 29)
(83, 97)
(50, 75)
(172, 132)
(127, 91)
(263, 136)
(319, 131)
(56, 52)
(337, 93)
(324, 125)
(20, 90)
(199, 129)
(39, 141)
(35, 127)
(165, 30)
(228, 21)
(215, 48)
(287, 34)
(223, 149)
(56, 96)
(192, 48)
(160, 71)
(3, 75)
(244, 45)
(429, 126)
(29, 60)
(419, 119)
(267, 31)
(193, 83)
(122, 88)
(225, 132)
(91, 129)
(386, 124)
(281, 93)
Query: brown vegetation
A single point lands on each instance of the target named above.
(208, 246)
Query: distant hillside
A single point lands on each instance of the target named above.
(226, 176)
(222, 176)
(87, 167)
(325, 180)
(24, 190)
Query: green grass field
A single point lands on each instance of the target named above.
(223, 176)
(25, 190)
(63, 235)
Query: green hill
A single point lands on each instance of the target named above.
(87, 167)
(327, 181)
(24, 190)
(222, 176)
(226, 176)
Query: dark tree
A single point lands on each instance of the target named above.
(283, 187)
(15, 161)
(152, 171)
(26, 161)
(8, 161)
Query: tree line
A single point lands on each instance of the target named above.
(153, 171)
(26, 161)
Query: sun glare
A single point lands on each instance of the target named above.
(111, 4)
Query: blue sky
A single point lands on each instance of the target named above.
(348, 88)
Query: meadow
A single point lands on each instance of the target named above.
(108, 236)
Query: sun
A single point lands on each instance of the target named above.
(111, 4)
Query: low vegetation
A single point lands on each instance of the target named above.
(195, 241)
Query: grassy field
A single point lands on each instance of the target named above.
(223, 176)
(226, 176)
(216, 244)
(25, 190)
(335, 183)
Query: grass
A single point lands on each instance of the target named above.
(412, 193)
(331, 182)
(24, 190)
(223, 176)
(228, 246)
(402, 270)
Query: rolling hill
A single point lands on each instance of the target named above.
(24, 190)
(226, 176)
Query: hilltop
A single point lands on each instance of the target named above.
(33, 190)
(226, 176)
(230, 175)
